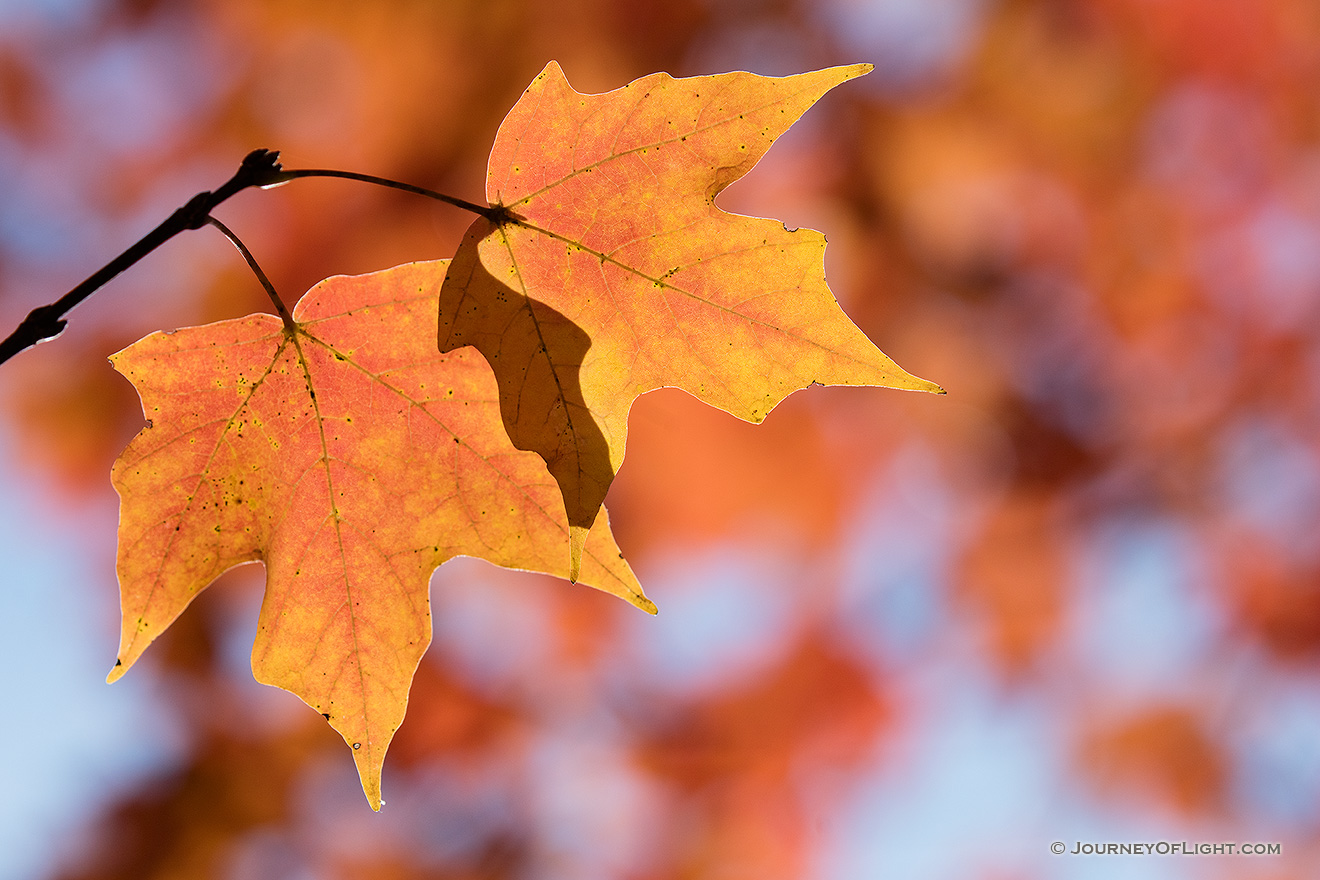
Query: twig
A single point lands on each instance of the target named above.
(260, 168)
(47, 322)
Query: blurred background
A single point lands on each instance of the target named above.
(1076, 600)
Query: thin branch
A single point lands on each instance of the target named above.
(260, 168)
(256, 270)
(47, 322)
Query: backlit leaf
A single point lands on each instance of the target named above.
(352, 458)
(612, 272)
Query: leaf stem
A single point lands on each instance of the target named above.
(260, 168)
(486, 211)
(287, 318)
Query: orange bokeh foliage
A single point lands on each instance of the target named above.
(1164, 753)
(1276, 603)
(738, 757)
(1013, 575)
(750, 471)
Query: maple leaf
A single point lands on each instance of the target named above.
(352, 458)
(610, 272)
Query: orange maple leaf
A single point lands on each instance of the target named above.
(352, 458)
(611, 272)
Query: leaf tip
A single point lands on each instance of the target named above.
(370, 777)
(552, 70)
(117, 672)
(908, 382)
(577, 540)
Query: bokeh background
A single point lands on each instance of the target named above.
(1077, 599)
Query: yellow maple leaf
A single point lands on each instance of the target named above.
(610, 272)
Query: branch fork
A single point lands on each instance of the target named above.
(259, 168)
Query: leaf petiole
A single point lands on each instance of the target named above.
(283, 310)
(282, 177)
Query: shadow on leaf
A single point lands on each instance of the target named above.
(537, 354)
